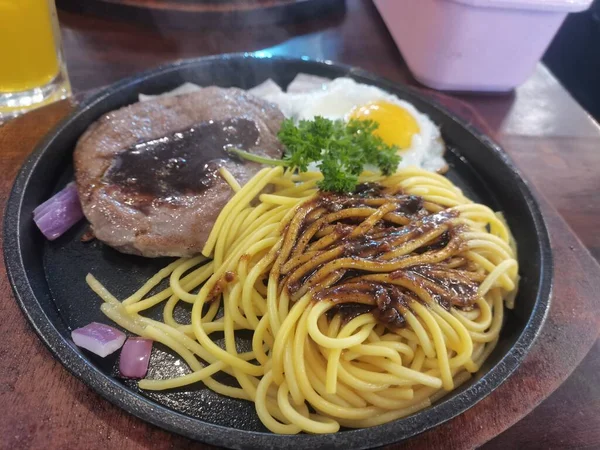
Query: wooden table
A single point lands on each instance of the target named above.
(539, 121)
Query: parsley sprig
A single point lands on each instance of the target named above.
(340, 150)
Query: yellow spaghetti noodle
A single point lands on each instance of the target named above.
(363, 309)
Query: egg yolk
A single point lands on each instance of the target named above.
(396, 125)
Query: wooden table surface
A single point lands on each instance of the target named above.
(538, 121)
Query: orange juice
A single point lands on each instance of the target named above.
(28, 56)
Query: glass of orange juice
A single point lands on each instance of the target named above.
(32, 68)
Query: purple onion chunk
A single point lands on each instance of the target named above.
(98, 338)
(135, 357)
(59, 213)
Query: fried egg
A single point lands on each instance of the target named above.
(399, 122)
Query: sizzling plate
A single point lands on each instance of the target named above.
(48, 277)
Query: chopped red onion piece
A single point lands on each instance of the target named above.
(135, 357)
(47, 205)
(98, 338)
(59, 213)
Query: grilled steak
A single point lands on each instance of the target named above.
(148, 174)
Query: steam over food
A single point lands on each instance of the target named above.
(369, 285)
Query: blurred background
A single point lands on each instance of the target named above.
(574, 57)
(482, 47)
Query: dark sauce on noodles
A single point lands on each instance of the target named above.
(353, 260)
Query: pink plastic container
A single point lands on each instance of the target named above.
(474, 45)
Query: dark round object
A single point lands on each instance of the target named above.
(48, 277)
(212, 14)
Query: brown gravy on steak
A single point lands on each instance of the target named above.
(183, 162)
(138, 205)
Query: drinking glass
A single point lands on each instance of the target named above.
(32, 68)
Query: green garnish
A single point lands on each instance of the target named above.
(341, 150)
